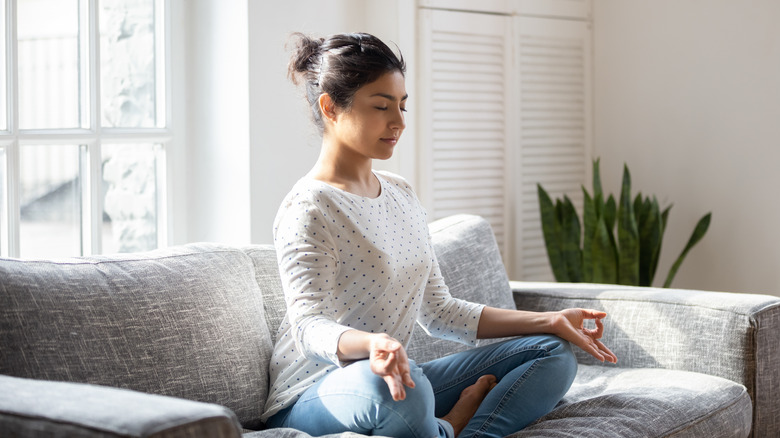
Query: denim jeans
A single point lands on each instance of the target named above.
(533, 372)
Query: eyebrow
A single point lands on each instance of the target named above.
(389, 96)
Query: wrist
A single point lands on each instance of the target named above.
(553, 322)
(354, 345)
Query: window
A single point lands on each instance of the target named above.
(84, 126)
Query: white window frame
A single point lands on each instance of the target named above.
(90, 139)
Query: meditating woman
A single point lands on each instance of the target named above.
(358, 271)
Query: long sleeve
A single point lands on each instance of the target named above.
(444, 316)
(308, 267)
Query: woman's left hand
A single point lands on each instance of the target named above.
(569, 324)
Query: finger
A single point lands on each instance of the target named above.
(599, 328)
(596, 333)
(611, 357)
(593, 314)
(407, 379)
(588, 345)
(390, 345)
(382, 363)
(404, 368)
(397, 390)
(390, 362)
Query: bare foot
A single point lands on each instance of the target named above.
(469, 401)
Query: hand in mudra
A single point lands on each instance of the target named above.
(569, 324)
(388, 359)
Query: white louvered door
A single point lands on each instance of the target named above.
(553, 128)
(504, 105)
(465, 64)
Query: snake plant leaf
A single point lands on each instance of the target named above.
(589, 218)
(639, 205)
(571, 236)
(597, 178)
(665, 218)
(561, 211)
(698, 233)
(649, 241)
(604, 255)
(628, 235)
(551, 230)
(610, 213)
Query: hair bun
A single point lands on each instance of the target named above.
(305, 56)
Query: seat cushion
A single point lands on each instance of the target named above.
(185, 322)
(624, 402)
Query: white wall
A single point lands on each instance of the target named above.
(687, 93)
(216, 149)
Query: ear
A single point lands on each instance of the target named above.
(327, 107)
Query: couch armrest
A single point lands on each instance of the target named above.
(735, 336)
(57, 409)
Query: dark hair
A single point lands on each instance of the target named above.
(339, 65)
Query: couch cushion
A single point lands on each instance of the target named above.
(186, 322)
(472, 268)
(637, 403)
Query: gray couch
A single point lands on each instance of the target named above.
(176, 343)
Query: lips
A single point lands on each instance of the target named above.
(390, 140)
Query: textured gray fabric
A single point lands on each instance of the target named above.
(734, 336)
(472, 268)
(63, 409)
(619, 402)
(267, 275)
(292, 433)
(186, 322)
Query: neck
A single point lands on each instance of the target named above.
(337, 167)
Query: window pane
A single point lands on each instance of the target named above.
(50, 201)
(48, 64)
(3, 205)
(131, 197)
(129, 81)
(3, 98)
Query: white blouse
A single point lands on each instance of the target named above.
(351, 262)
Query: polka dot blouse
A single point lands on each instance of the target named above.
(351, 262)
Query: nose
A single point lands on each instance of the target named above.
(398, 121)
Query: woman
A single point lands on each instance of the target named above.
(359, 271)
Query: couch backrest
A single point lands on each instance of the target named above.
(471, 265)
(267, 276)
(186, 321)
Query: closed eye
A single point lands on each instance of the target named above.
(385, 109)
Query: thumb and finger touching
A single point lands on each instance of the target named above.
(389, 360)
(588, 338)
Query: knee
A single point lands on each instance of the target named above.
(419, 401)
(412, 416)
(562, 355)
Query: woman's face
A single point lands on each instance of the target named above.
(372, 126)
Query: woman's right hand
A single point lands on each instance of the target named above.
(388, 360)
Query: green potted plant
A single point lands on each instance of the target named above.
(592, 252)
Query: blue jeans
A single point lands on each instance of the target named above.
(533, 372)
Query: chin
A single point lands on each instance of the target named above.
(385, 156)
